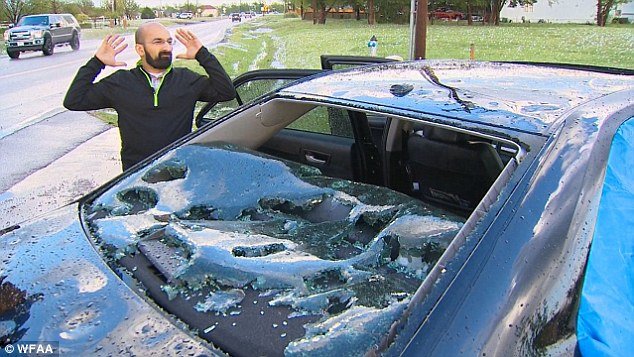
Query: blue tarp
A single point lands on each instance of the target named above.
(605, 325)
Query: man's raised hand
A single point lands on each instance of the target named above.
(111, 46)
(190, 41)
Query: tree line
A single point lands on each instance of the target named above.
(397, 11)
(13, 10)
(382, 11)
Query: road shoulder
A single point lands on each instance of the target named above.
(93, 158)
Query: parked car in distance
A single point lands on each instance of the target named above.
(235, 17)
(185, 15)
(446, 14)
(42, 33)
(435, 208)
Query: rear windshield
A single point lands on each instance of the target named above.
(234, 239)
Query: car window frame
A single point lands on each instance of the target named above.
(286, 75)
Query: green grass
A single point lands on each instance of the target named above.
(108, 116)
(302, 42)
(293, 43)
(247, 47)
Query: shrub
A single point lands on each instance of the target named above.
(147, 13)
(81, 18)
(620, 20)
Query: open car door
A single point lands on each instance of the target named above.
(332, 62)
(340, 143)
(250, 86)
(254, 84)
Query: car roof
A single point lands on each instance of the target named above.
(526, 98)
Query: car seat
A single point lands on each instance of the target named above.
(450, 168)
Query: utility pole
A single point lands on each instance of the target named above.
(419, 36)
(412, 22)
(114, 11)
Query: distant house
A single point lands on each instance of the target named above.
(208, 11)
(344, 12)
(561, 11)
(625, 10)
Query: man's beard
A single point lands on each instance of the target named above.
(161, 61)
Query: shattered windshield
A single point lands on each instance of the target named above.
(259, 254)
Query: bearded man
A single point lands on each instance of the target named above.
(154, 101)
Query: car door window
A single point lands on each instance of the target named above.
(70, 20)
(57, 29)
(251, 90)
(56, 20)
(325, 120)
(247, 92)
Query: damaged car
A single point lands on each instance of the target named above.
(415, 208)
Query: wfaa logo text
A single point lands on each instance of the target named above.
(28, 348)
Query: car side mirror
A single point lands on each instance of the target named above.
(57, 24)
(11, 26)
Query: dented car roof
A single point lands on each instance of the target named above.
(514, 96)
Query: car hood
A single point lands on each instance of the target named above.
(28, 28)
(55, 287)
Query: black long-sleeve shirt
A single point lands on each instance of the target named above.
(149, 119)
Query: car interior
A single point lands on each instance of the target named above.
(439, 165)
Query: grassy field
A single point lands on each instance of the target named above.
(292, 43)
(275, 41)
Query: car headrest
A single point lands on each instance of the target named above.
(444, 135)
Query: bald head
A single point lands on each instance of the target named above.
(148, 30)
(154, 46)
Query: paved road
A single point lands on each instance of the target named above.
(50, 156)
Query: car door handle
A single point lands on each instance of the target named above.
(316, 157)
